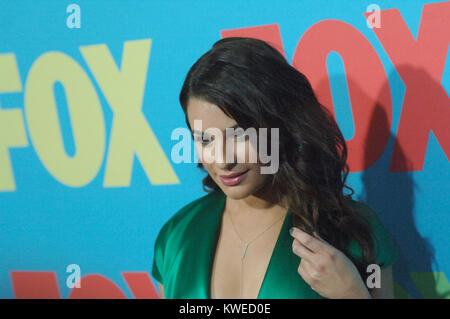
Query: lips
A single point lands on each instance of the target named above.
(235, 178)
(234, 174)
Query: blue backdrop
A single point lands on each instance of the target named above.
(86, 175)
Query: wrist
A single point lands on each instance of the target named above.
(364, 294)
(359, 293)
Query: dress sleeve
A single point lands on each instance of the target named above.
(385, 250)
(158, 255)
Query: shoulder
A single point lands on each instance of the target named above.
(370, 215)
(385, 249)
(187, 213)
(194, 207)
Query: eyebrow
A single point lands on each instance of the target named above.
(200, 132)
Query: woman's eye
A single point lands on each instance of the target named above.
(202, 141)
(240, 135)
(238, 132)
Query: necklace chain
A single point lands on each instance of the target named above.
(246, 244)
(249, 242)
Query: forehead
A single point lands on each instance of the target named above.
(210, 115)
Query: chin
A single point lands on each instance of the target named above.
(236, 192)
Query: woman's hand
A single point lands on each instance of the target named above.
(326, 269)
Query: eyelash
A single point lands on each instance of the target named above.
(202, 141)
(206, 141)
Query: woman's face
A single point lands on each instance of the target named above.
(208, 149)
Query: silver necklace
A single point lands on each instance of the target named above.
(246, 244)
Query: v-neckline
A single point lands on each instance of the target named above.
(213, 249)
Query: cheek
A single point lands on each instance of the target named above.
(252, 153)
(199, 151)
(246, 152)
(204, 153)
(209, 169)
(256, 179)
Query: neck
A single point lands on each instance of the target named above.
(261, 203)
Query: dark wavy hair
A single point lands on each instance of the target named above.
(252, 83)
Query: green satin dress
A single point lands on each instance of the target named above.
(185, 248)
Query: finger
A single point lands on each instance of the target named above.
(309, 266)
(309, 274)
(303, 271)
(312, 243)
(301, 250)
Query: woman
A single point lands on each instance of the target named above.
(235, 241)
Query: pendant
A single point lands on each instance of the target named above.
(244, 251)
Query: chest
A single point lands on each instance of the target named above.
(235, 276)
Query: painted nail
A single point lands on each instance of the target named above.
(291, 230)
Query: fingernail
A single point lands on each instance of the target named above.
(291, 230)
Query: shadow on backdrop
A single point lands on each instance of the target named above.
(392, 195)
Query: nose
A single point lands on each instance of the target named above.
(221, 157)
